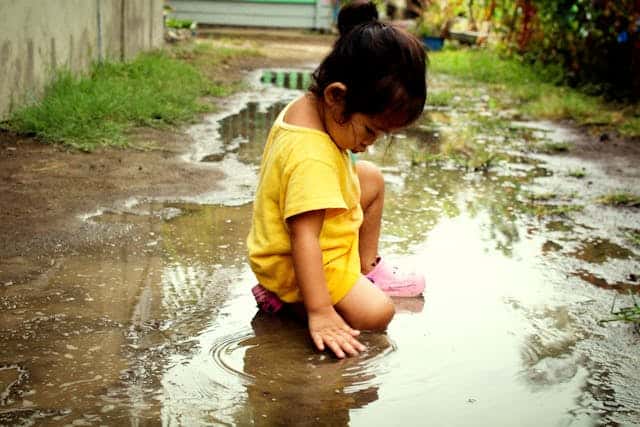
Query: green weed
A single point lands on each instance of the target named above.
(179, 23)
(542, 210)
(631, 128)
(629, 314)
(554, 147)
(540, 197)
(577, 173)
(620, 199)
(633, 236)
(440, 99)
(426, 158)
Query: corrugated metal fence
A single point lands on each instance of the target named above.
(311, 14)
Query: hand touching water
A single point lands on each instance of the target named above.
(328, 328)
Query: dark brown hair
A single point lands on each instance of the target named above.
(382, 66)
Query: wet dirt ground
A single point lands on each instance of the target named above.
(153, 323)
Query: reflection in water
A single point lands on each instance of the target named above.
(291, 384)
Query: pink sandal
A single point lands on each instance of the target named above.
(393, 283)
(267, 300)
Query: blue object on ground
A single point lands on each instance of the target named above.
(623, 37)
(433, 43)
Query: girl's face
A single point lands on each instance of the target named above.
(358, 132)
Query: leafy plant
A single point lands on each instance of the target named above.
(180, 24)
(437, 17)
(590, 41)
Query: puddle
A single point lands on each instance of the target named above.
(162, 328)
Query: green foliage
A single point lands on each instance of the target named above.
(180, 23)
(631, 127)
(532, 89)
(440, 98)
(590, 41)
(87, 112)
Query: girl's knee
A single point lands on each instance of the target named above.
(373, 317)
(369, 174)
(366, 307)
(371, 183)
(379, 320)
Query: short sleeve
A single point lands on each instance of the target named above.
(312, 185)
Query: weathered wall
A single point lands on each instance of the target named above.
(37, 37)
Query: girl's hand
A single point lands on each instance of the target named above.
(328, 328)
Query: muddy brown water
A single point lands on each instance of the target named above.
(162, 329)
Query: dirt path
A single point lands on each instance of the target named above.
(44, 189)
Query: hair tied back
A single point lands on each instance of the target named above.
(357, 12)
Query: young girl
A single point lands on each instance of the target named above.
(317, 212)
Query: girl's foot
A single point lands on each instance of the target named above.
(394, 283)
(267, 301)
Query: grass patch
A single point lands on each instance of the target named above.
(426, 158)
(535, 89)
(554, 147)
(471, 156)
(620, 199)
(543, 210)
(577, 173)
(631, 127)
(440, 98)
(633, 236)
(207, 55)
(155, 90)
(540, 197)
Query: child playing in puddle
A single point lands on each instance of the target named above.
(317, 211)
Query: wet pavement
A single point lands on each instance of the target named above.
(521, 263)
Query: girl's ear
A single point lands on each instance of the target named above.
(334, 97)
(334, 94)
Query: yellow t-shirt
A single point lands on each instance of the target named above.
(302, 169)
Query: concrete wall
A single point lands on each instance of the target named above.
(312, 14)
(39, 36)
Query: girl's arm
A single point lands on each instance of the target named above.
(326, 326)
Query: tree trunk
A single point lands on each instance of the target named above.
(472, 19)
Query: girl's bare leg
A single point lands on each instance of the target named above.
(372, 202)
(366, 307)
